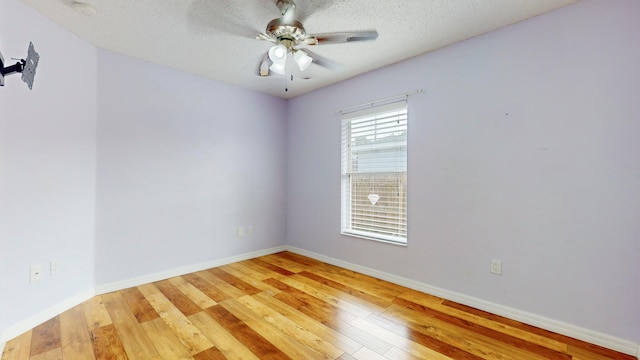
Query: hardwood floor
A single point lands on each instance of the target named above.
(286, 306)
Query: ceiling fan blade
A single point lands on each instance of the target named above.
(263, 36)
(323, 61)
(264, 65)
(341, 37)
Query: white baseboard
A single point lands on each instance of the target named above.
(146, 279)
(594, 337)
(28, 324)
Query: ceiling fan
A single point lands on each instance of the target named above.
(287, 34)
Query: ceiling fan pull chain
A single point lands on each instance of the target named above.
(287, 79)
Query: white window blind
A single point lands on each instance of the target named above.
(374, 173)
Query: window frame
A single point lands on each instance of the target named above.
(398, 147)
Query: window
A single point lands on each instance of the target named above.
(374, 173)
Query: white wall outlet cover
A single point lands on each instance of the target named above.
(496, 267)
(36, 273)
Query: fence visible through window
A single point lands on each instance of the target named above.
(379, 203)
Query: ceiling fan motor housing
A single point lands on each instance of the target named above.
(288, 34)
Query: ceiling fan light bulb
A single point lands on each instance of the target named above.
(278, 54)
(277, 68)
(302, 59)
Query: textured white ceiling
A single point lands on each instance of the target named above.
(216, 38)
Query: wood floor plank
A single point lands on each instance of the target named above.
(247, 268)
(346, 357)
(140, 307)
(251, 339)
(398, 341)
(46, 337)
(291, 328)
(206, 287)
(579, 353)
(343, 300)
(305, 261)
(230, 291)
(399, 354)
(327, 314)
(287, 344)
(76, 341)
(210, 354)
(177, 298)
(190, 336)
(192, 292)
(270, 267)
(401, 328)
(320, 329)
(465, 339)
(263, 270)
(107, 344)
(485, 331)
(367, 340)
(95, 313)
(246, 274)
(133, 338)
(166, 342)
(592, 351)
(436, 304)
(571, 342)
(367, 284)
(421, 298)
(328, 297)
(383, 286)
(367, 298)
(286, 306)
(368, 354)
(18, 348)
(234, 281)
(283, 263)
(229, 346)
(53, 354)
(316, 308)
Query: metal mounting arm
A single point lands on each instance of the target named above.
(26, 67)
(16, 68)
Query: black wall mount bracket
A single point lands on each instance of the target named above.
(25, 66)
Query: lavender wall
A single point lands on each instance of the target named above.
(524, 148)
(183, 161)
(47, 166)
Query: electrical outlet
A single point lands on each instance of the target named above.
(250, 230)
(36, 273)
(496, 267)
(240, 231)
(55, 267)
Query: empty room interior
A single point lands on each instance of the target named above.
(122, 167)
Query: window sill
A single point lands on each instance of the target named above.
(378, 239)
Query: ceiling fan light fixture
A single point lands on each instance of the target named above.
(278, 54)
(277, 68)
(302, 59)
